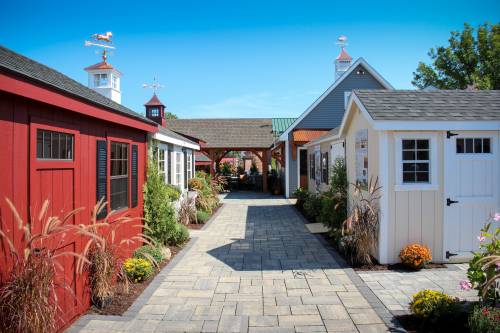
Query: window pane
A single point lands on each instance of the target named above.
(39, 144)
(422, 177)
(469, 146)
(422, 166)
(408, 144)
(460, 146)
(408, 155)
(124, 167)
(486, 146)
(422, 144)
(409, 167)
(478, 146)
(422, 155)
(408, 177)
(55, 145)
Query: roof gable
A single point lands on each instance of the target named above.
(311, 108)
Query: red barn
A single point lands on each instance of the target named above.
(67, 143)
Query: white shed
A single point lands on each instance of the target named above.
(437, 156)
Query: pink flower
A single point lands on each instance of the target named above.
(481, 238)
(465, 285)
(496, 217)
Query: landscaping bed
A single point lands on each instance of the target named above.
(122, 299)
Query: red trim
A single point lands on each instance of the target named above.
(29, 90)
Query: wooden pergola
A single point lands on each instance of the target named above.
(218, 137)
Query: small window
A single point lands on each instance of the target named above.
(119, 175)
(155, 112)
(473, 146)
(416, 161)
(100, 80)
(161, 162)
(178, 168)
(54, 145)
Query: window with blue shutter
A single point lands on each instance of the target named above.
(185, 168)
(101, 175)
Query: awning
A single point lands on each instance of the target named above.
(304, 136)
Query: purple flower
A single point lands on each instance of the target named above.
(496, 217)
(481, 238)
(465, 285)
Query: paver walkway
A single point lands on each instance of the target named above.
(254, 268)
(396, 289)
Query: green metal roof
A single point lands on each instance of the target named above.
(281, 124)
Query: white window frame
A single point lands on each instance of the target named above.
(98, 77)
(178, 169)
(433, 162)
(189, 164)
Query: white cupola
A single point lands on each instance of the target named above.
(343, 60)
(105, 79)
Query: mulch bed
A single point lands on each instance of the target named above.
(122, 301)
(195, 226)
(412, 324)
(395, 267)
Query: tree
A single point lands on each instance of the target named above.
(170, 115)
(471, 58)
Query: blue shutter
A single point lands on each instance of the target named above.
(134, 180)
(185, 168)
(102, 175)
(170, 160)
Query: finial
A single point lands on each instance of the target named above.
(155, 85)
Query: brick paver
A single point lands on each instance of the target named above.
(254, 268)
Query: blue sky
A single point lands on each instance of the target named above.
(235, 58)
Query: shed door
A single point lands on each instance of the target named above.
(53, 169)
(471, 192)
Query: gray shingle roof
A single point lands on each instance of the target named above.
(172, 134)
(13, 62)
(227, 133)
(440, 105)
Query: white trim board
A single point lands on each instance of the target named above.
(287, 169)
(360, 61)
(164, 138)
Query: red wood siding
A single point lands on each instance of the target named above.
(68, 185)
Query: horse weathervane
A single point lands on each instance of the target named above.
(342, 41)
(155, 85)
(103, 41)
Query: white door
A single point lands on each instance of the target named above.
(337, 151)
(471, 191)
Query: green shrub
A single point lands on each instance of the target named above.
(432, 306)
(149, 252)
(172, 192)
(137, 269)
(484, 319)
(302, 195)
(312, 207)
(159, 212)
(202, 217)
(179, 235)
(334, 204)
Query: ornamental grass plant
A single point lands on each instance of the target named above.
(28, 298)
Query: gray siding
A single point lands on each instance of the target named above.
(329, 112)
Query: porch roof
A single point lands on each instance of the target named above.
(241, 133)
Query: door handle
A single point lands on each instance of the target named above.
(449, 254)
(449, 202)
